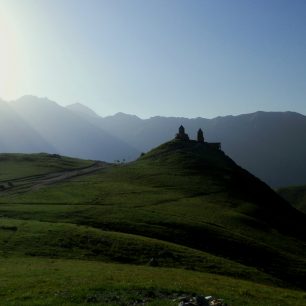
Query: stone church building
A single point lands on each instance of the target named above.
(181, 135)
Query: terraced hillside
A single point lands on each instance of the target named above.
(205, 224)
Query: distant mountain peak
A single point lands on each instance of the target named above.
(124, 115)
(30, 99)
(81, 109)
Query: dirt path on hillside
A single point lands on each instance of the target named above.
(56, 177)
(36, 182)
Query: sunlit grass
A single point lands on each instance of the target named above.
(27, 281)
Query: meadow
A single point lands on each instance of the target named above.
(210, 227)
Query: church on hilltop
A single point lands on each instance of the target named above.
(181, 135)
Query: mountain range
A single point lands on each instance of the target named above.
(268, 144)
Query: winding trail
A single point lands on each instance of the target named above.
(36, 182)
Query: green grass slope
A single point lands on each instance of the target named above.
(185, 205)
(295, 195)
(48, 282)
(16, 166)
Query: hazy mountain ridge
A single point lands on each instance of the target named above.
(81, 109)
(17, 135)
(268, 144)
(49, 127)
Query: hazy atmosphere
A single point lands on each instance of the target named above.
(152, 152)
(170, 58)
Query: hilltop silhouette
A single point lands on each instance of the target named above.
(269, 144)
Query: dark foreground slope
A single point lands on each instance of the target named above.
(185, 205)
(211, 171)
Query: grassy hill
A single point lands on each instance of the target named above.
(16, 166)
(295, 195)
(210, 227)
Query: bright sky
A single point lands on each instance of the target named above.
(156, 57)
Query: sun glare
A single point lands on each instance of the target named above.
(8, 60)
